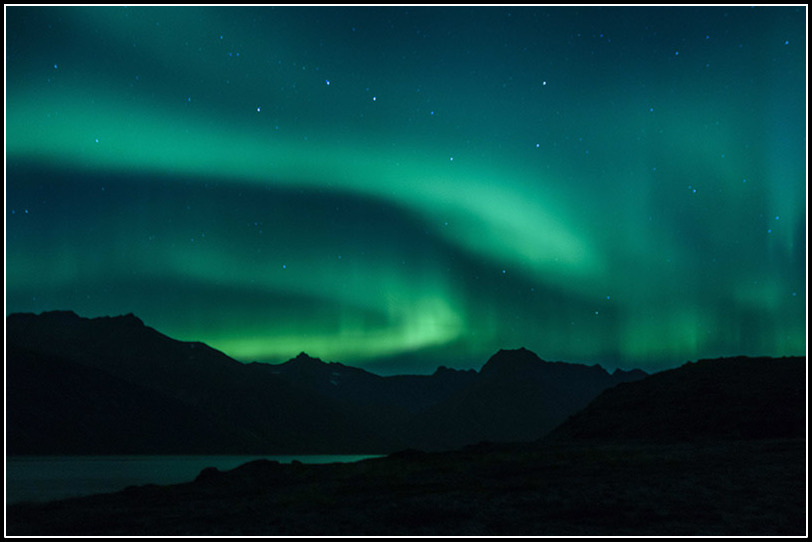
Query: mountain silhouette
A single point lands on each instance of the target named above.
(405, 394)
(516, 397)
(730, 398)
(115, 385)
(241, 408)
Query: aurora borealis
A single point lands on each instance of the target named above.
(398, 188)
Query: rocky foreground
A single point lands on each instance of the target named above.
(755, 487)
(716, 447)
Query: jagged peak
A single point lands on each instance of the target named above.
(443, 370)
(129, 319)
(510, 360)
(53, 315)
(516, 361)
(304, 356)
(517, 354)
(70, 316)
(305, 360)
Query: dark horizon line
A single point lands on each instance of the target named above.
(132, 316)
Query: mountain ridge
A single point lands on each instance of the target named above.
(269, 414)
(303, 405)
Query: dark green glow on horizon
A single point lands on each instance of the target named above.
(623, 186)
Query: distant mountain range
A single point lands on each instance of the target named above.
(115, 386)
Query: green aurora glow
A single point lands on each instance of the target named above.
(400, 188)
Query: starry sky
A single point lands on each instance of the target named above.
(398, 188)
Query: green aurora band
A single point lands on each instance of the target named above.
(269, 181)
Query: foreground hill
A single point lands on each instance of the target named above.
(732, 398)
(115, 386)
(717, 473)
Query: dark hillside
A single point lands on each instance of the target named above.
(730, 398)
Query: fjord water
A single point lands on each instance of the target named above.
(46, 478)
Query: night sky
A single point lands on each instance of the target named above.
(399, 188)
